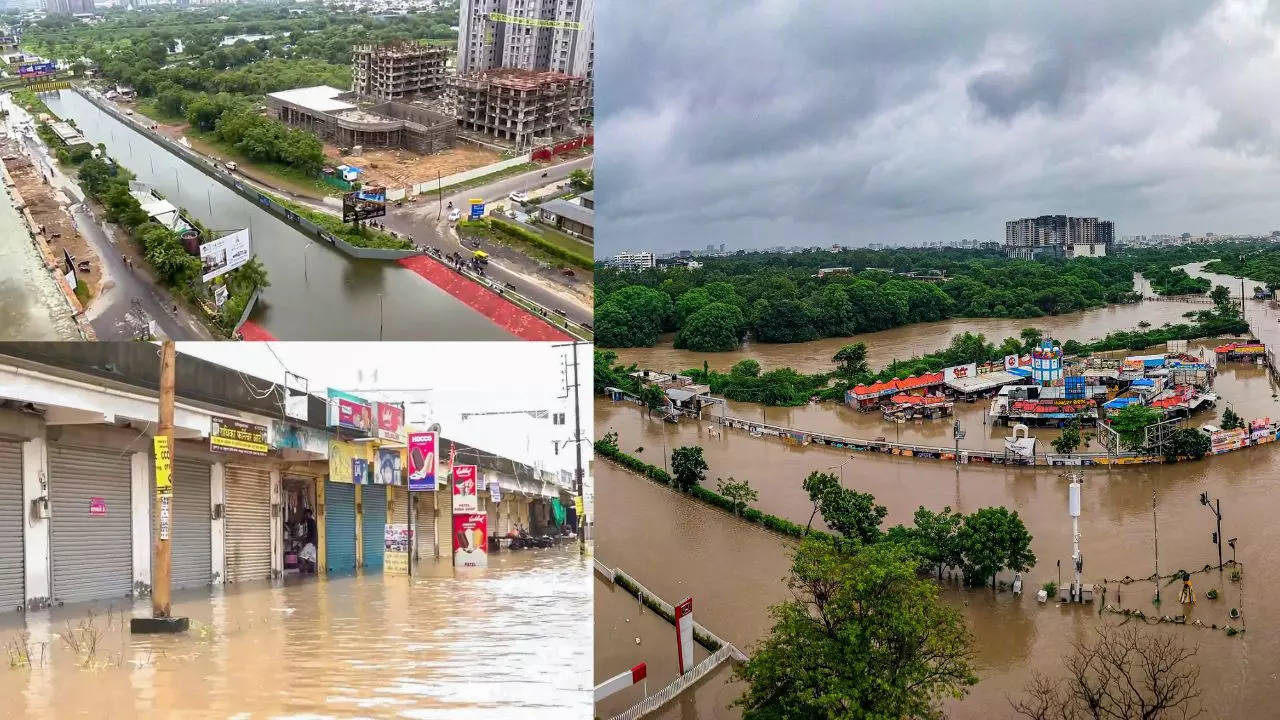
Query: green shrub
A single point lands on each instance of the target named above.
(539, 242)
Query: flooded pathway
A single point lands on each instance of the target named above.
(507, 642)
(32, 306)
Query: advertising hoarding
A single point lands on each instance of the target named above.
(684, 634)
(364, 204)
(470, 540)
(341, 455)
(34, 70)
(465, 497)
(397, 538)
(959, 371)
(422, 461)
(390, 421)
(477, 208)
(236, 436)
(350, 412)
(222, 255)
(387, 466)
(1010, 362)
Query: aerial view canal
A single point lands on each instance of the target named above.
(735, 570)
(316, 292)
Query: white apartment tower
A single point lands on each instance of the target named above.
(557, 35)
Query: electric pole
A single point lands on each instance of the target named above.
(578, 484)
(1215, 507)
(161, 621)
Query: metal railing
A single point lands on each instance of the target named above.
(677, 686)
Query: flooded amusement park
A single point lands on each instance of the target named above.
(1136, 521)
(496, 642)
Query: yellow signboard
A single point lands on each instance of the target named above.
(164, 465)
(340, 456)
(577, 504)
(534, 22)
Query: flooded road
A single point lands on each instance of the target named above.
(316, 292)
(31, 305)
(511, 641)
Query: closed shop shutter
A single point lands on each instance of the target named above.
(425, 525)
(373, 520)
(191, 546)
(340, 527)
(11, 515)
(92, 553)
(444, 528)
(248, 523)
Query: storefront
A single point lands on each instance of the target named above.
(340, 527)
(248, 523)
(90, 499)
(299, 499)
(191, 543)
(373, 521)
(12, 512)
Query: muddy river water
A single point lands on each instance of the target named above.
(733, 571)
(511, 641)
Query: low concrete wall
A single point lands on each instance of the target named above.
(466, 175)
(247, 191)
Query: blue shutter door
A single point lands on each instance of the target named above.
(340, 527)
(373, 503)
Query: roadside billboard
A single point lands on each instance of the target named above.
(477, 208)
(465, 497)
(364, 204)
(422, 462)
(237, 436)
(222, 255)
(470, 540)
(959, 371)
(34, 70)
(349, 412)
(390, 422)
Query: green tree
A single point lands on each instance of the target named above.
(582, 179)
(934, 537)
(653, 397)
(1220, 295)
(745, 368)
(738, 492)
(1187, 442)
(851, 360)
(1031, 337)
(1130, 423)
(1230, 420)
(633, 316)
(717, 327)
(688, 467)
(993, 539)
(862, 637)
(853, 514)
(1070, 439)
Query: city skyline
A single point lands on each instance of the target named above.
(944, 123)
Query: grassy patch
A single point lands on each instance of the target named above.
(30, 102)
(366, 237)
(491, 177)
(282, 176)
(149, 109)
(530, 243)
(568, 242)
(82, 292)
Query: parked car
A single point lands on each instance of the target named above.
(454, 215)
(519, 197)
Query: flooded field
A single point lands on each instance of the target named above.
(511, 641)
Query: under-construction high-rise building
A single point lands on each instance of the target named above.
(398, 71)
(517, 106)
(539, 35)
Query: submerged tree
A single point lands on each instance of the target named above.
(853, 514)
(688, 467)
(738, 492)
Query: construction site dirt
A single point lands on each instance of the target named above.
(402, 168)
(48, 207)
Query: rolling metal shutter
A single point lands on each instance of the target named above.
(248, 515)
(191, 545)
(340, 527)
(373, 521)
(444, 528)
(12, 581)
(92, 554)
(425, 525)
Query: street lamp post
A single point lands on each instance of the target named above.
(305, 279)
(1215, 507)
(957, 433)
(840, 468)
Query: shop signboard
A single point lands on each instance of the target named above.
(222, 255)
(350, 412)
(397, 539)
(360, 471)
(294, 437)
(422, 461)
(477, 208)
(164, 465)
(239, 437)
(1250, 349)
(684, 634)
(959, 371)
(390, 422)
(341, 455)
(470, 539)
(465, 499)
(386, 470)
(1225, 440)
(1010, 362)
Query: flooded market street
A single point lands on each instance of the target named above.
(511, 641)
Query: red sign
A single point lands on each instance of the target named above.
(390, 421)
(97, 507)
(684, 634)
(354, 415)
(471, 540)
(465, 499)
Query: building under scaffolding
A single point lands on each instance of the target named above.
(335, 116)
(398, 71)
(522, 108)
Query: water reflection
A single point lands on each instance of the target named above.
(509, 642)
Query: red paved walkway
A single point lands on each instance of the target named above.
(505, 315)
(253, 331)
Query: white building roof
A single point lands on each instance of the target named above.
(319, 98)
(982, 381)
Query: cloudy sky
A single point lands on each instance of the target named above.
(779, 122)
(441, 380)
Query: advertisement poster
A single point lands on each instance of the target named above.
(164, 465)
(465, 498)
(470, 540)
(396, 540)
(390, 422)
(222, 255)
(386, 471)
(422, 461)
(959, 371)
(341, 455)
(1010, 362)
(684, 634)
(349, 412)
(495, 490)
(236, 436)
(359, 471)
(97, 507)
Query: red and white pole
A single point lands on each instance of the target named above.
(622, 681)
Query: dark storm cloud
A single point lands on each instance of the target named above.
(782, 122)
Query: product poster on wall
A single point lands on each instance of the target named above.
(422, 461)
(360, 471)
(387, 469)
(470, 540)
(465, 499)
(396, 541)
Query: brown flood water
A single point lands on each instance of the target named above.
(506, 642)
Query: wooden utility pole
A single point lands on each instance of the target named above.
(163, 560)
